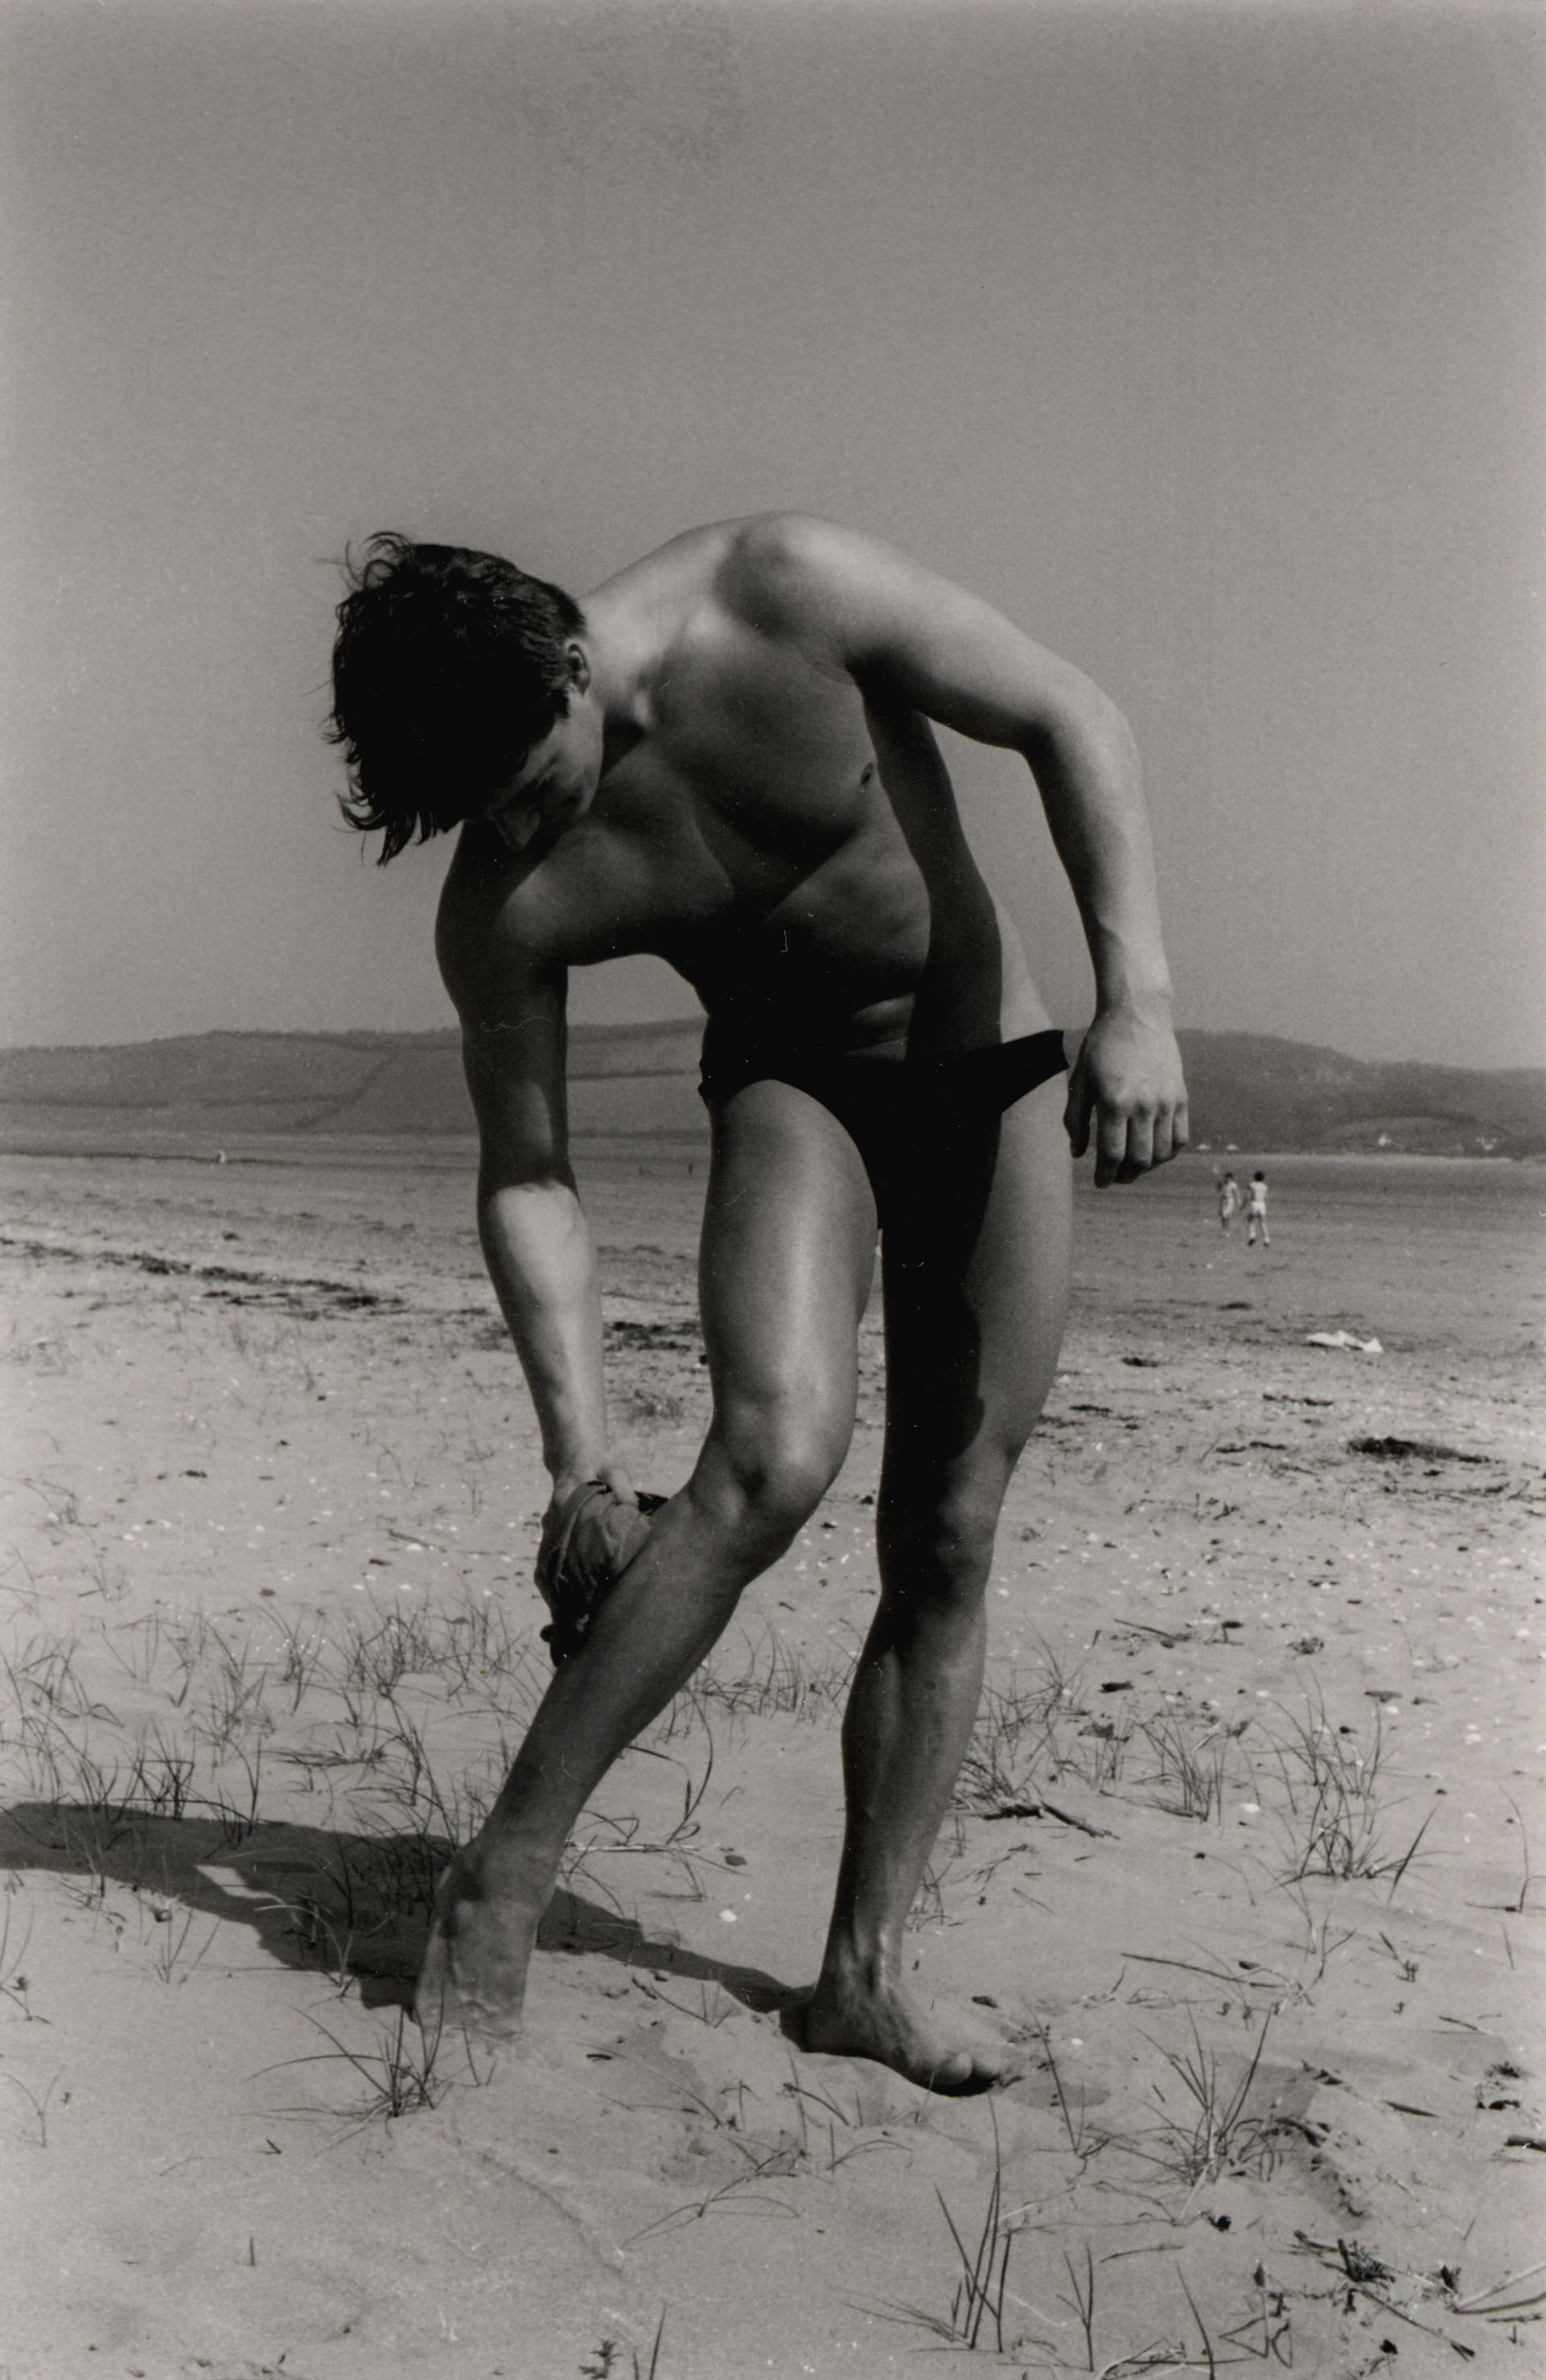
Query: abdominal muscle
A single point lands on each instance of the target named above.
(861, 973)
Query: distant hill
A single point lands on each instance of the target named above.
(1262, 1093)
(218, 1086)
(1248, 1089)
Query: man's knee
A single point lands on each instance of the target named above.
(766, 1466)
(941, 1544)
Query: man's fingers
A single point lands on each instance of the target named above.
(1076, 1108)
(1130, 1143)
(1124, 1145)
(1111, 1146)
(1170, 1132)
(1141, 1142)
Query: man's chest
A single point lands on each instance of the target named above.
(764, 752)
(672, 871)
(754, 793)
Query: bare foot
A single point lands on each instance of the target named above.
(950, 2056)
(473, 1977)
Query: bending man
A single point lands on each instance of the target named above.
(726, 757)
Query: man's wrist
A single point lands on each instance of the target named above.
(568, 1477)
(606, 1468)
(1131, 976)
(1150, 1003)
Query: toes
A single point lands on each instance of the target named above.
(896, 2038)
(948, 2069)
(967, 2073)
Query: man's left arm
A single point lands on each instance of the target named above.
(1128, 1077)
(904, 633)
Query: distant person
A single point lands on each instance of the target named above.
(1256, 1210)
(1229, 1201)
(726, 757)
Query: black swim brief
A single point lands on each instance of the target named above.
(904, 1116)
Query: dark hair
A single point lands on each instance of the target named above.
(448, 666)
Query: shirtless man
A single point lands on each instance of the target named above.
(725, 758)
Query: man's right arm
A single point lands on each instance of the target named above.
(535, 1238)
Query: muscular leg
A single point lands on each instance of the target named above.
(787, 1256)
(975, 1303)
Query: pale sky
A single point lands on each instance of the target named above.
(1207, 341)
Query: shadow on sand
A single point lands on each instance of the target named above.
(322, 1900)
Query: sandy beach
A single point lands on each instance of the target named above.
(1244, 1854)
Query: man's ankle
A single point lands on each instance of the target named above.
(852, 1972)
(504, 1865)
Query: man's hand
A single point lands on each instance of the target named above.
(567, 1485)
(1127, 1075)
(590, 1534)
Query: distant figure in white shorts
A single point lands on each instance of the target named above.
(1256, 1210)
(1229, 1201)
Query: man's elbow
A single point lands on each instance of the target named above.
(1083, 730)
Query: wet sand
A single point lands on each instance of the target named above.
(1242, 1854)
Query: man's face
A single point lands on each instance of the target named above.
(555, 784)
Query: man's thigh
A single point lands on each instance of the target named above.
(976, 1292)
(787, 1253)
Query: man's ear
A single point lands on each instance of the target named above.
(578, 662)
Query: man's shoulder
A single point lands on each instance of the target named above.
(786, 540)
(793, 555)
(511, 920)
(790, 576)
(485, 931)
(756, 541)
(802, 580)
(747, 559)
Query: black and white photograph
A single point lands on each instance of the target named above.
(773, 1189)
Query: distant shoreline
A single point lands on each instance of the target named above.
(454, 1152)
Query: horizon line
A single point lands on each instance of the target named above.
(681, 1022)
